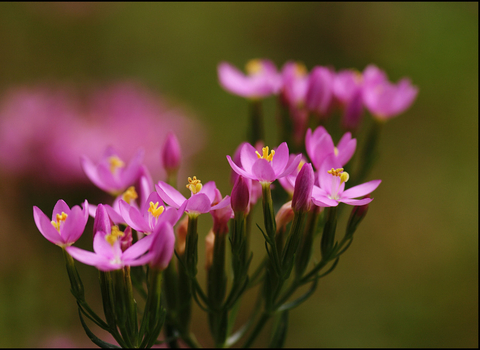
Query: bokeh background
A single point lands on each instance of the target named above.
(410, 279)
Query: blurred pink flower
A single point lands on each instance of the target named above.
(44, 130)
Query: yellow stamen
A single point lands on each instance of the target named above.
(254, 67)
(130, 194)
(59, 219)
(113, 236)
(300, 165)
(265, 155)
(115, 163)
(300, 69)
(155, 210)
(343, 175)
(335, 150)
(194, 185)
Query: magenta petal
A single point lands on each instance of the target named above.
(356, 202)
(86, 257)
(222, 204)
(133, 217)
(239, 170)
(74, 225)
(324, 202)
(291, 167)
(163, 246)
(209, 189)
(248, 157)
(361, 190)
(131, 172)
(263, 171)
(346, 150)
(114, 215)
(170, 215)
(46, 228)
(139, 248)
(59, 207)
(198, 203)
(109, 181)
(91, 171)
(169, 194)
(233, 80)
(280, 159)
(102, 247)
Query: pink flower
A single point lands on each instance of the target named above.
(255, 188)
(319, 146)
(384, 99)
(288, 182)
(108, 254)
(332, 188)
(171, 153)
(112, 174)
(262, 79)
(149, 216)
(302, 196)
(320, 90)
(222, 215)
(267, 167)
(66, 226)
(200, 201)
(347, 88)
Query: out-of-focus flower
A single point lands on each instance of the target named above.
(44, 130)
(284, 216)
(171, 153)
(266, 167)
(347, 88)
(262, 79)
(332, 188)
(288, 182)
(222, 215)
(112, 174)
(319, 94)
(163, 245)
(320, 146)
(66, 226)
(108, 254)
(384, 99)
(200, 201)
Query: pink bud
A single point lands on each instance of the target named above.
(240, 197)
(302, 195)
(171, 154)
(102, 222)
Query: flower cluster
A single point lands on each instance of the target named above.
(141, 242)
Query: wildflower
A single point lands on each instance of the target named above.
(66, 226)
(302, 196)
(384, 99)
(332, 188)
(240, 198)
(222, 215)
(319, 146)
(112, 174)
(171, 153)
(163, 245)
(347, 88)
(200, 201)
(320, 90)
(262, 79)
(265, 167)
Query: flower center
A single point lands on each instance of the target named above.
(266, 155)
(113, 236)
(155, 210)
(115, 163)
(254, 67)
(130, 194)
(194, 185)
(59, 219)
(343, 175)
(300, 69)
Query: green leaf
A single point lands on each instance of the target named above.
(93, 337)
(280, 333)
(296, 302)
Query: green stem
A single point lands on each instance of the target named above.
(256, 131)
(256, 331)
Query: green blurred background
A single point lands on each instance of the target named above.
(410, 279)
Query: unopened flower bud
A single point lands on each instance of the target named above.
(162, 246)
(209, 243)
(127, 239)
(284, 216)
(171, 154)
(181, 235)
(102, 222)
(240, 197)
(356, 216)
(302, 195)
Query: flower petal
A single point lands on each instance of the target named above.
(361, 190)
(133, 217)
(291, 167)
(59, 207)
(74, 225)
(86, 257)
(169, 194)
(248, 157)
(139, 248)
(322, 201)
(263, 171)
(280, 159)
(90, 170)
(356, 202)
(209, 189)
(199, 203)
(46, 228)
(239, 170)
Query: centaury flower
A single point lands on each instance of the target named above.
(262, 79)
(66, 225)
(266, 167)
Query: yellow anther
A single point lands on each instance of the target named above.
(265, 155)
(113, 236)
(254, 67)
(335, 150)
(336, 172)
(300, 69)
(194, 185)
(344, 177)
(59, 219)
(155, 210)
(115, 163)
(130, 194)
(300, 165)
